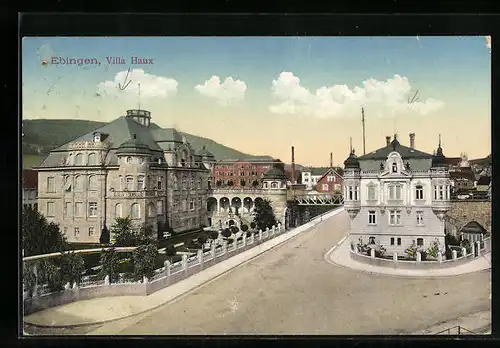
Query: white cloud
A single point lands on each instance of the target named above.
(390, 96)
(226, 93)
(151, 85)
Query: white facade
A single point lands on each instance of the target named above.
(396, 207)
(309, 179)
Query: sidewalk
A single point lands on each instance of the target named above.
(106, 309)
(340, 255)
(479, 323)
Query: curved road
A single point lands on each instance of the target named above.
(293, 290)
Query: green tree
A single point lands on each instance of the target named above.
(49, 273)
(72, 267)
(234, 229)
(264, 215)
(253, 225)
(244, 228)
(202, 239)
(144, 257)
(110, 264)
(146, 235)
(39, 236)
(226, 233)
(29, 280)
(214, 235)
(123, 233)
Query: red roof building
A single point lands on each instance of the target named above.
(330, 182)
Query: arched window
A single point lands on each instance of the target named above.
(129, 160)
(136, 211)
(274, 185)
(79, 159)
(265, 185)
(118, 211)
(140, 183)
(92, 159)
(93, 183)
(79, 183)
(151, 210)
(129, 183)
(394, 167)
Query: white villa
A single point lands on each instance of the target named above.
(397, 197)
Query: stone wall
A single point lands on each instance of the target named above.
(461, 212)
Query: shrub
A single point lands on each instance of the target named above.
(72, 267)
(226, 233)
(244, 228)
(52, 276)
(105, 237)
(110, 265)
(423, 255)
(144, 260)
(234, 230)
(249, 233)
(253, 225)
(170, 251)
(467, 245)
(123, 234)
(29, 280)
(434, 249)
(411, 251)
(202, 239)
(450, 239)
(214, 235)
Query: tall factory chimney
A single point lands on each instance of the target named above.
(387, 140)
(412, 140)
(331, 159)
(293, 165)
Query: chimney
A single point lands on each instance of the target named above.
(412, 140)
(331, 159)
(387, 140)
(293, 165)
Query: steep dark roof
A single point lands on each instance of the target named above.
(404, 151)
(330, 170)
(473, 227)
(484, 180)
(133, 146)
(166, 135)
(453, 161)
(275, 173)
(352, 161)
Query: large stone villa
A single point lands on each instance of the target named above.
(397, 196)
(132, 167)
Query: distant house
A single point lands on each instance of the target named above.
(30, 188)
(297, 177)
(473, 232)
(329, 182)
(483, 184)
(462, 181)
(311, 176)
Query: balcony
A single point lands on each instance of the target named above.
(137, 194)
(236, 191)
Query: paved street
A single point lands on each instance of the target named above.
(293, 290)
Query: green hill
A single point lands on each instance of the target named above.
(42, 136)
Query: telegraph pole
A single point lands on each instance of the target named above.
(363, 123)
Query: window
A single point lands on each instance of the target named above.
(159, 208)
(356, 193)
(200, 205)
(67, 209)
(265, 185)
(441, 192)
(67, 183)
(79, 159)
(97, 137)
(92, 209)
(392, 240)
(151, 210)
(331, 178)
(324, 187)
(129, 183)
(129, 160)
(274, 185)
(371, 240)
(371, 193)
(77, 231)
(199, 183)
(141, 185)
(395, 217)
(395, 192)
(92, 159)
(399, 241)
(79, 183)
(191, 184)
(420, 241)
(242, 173)
(306, 180)
(118, 211)
(419, 192)
(51, 184)
(78, 209)
(191, 204)
(50, 209)
(91, 231)
(93, 183)
(435, 189)
(371, 217)
(420, 218)
(136, 211)
(160, 183)
(349, 188)
(394, 168)
(175, 206)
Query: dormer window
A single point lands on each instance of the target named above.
(394, 167)
(129, 160)
(97, 137)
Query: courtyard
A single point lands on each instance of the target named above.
(291, 289)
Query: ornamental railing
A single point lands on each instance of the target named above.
(137, 194)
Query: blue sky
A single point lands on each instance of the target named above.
(452, 75)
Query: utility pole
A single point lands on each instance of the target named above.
(139, 96)
(363, 122)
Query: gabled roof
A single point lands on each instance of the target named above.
(473, 227)
(30, 179)
(329, 171)
(484, 180)
(404, 151)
